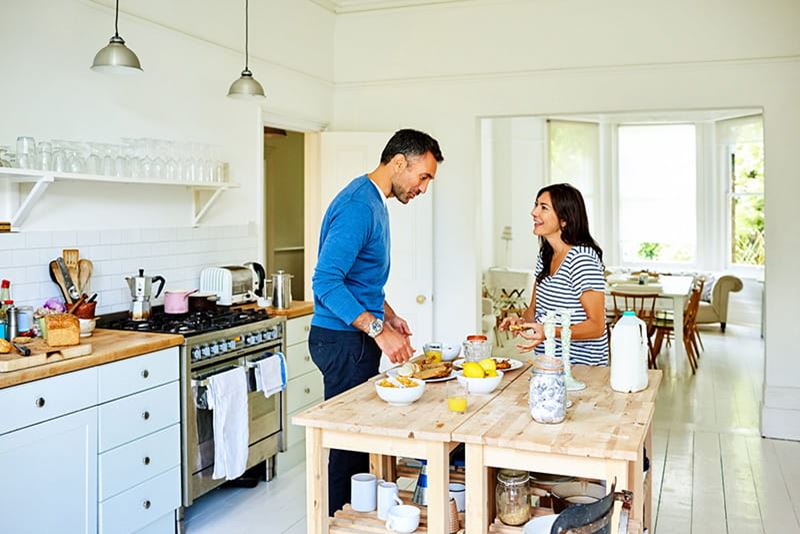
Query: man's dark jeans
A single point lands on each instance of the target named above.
(346, 360)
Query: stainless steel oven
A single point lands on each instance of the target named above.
(215, 352)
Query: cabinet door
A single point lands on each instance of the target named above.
(49, 476)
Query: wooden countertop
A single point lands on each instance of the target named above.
(107, 346)
(602, 423)
(299, 308)
(360, 410)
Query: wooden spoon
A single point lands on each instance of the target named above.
(58, 278)
(85, 268)
(71, 257)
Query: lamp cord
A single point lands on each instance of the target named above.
(116, 21)
(246, 32)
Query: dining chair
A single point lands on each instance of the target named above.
(665, 326)
(644, 305)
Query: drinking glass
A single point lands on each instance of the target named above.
(456, 397)
(44, 156)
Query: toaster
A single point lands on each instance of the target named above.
(233, 284)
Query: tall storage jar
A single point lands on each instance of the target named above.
(547, 395)
(512, 497)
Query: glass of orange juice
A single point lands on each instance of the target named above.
(456, 397)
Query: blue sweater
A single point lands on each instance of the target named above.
(353, 262)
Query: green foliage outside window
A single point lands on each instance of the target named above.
(650, 251)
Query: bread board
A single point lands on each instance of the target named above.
(41, 354)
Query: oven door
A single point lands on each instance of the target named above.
(264, 414)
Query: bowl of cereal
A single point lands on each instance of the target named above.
(400, 390)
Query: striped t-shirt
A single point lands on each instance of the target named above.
(580, 271)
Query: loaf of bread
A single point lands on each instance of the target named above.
(62, 330)
(5, 346)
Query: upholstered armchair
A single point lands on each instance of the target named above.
(716, 311)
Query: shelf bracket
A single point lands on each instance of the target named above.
(25, 207)
(198, 209)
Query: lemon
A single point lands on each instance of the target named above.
(491, 373)
(488, 364)
(473, 370)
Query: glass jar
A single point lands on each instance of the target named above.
(512, 497)
(547, 395)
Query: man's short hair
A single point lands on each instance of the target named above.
(409, 143)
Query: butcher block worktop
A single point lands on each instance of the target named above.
(299, 308)
(107, 346)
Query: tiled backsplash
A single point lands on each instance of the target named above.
(177, 254)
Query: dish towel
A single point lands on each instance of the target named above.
(271, 375)
(227, 397)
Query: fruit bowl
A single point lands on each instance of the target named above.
(480, 385)
(400, 396)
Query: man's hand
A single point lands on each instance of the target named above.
(394, 344)
(533, 332)
(399, 324)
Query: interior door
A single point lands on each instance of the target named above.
(346, 155)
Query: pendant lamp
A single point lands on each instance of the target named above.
(246, 87)
(116, 57)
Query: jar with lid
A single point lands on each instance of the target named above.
(512, 497)
(547, 394)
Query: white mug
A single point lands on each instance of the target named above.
(458, 492)
(363, 492)
(387, 497)
(403, 518)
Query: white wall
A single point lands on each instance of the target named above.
(535, 58)
(49, 92)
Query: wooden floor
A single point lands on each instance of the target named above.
(712, 471)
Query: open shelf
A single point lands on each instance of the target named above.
(42, 180)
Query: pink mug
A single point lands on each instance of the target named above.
(177, 300)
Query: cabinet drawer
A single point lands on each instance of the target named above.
(141, 505)
(135, 462)
(297, 329)
(164, 525)
(135, 416)
(298, 360)
(124, 377)
(305, 390)
(44, 399)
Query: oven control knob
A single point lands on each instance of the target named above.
(196, 353)
(249, 340)
(205, 350)
(268, 335)
(214, 348)
(223, 347)
(258, 337)
(231, 344)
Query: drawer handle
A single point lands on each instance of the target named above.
(145, 373)
(40, 402)
(307, 390)
(146, 505)
(307, 358)
(146, 460)
(146, 415)
(307, 328)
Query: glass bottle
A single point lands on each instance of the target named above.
(512, 497)
(547, 394)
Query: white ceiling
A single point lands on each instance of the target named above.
(355, 6)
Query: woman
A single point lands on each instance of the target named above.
(569, 275)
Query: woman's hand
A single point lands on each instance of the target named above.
(533, 332)
(511, 323)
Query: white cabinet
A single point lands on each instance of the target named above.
(96, 450)
(304, 388)
(49, 476)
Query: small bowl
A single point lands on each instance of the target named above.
(480, 385)
(449, 351)
(578, 492)
(401, 396)
(87, 326)
(540, 525)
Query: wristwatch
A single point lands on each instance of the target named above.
(375, 328)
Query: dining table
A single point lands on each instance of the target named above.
(673, 288)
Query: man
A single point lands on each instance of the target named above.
(352, 321)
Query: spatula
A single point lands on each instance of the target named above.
(85, 268)
(71, 257)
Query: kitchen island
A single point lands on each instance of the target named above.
(604, 437)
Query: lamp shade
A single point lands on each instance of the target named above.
(116, 57)
(246, 87)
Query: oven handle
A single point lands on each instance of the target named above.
(252, 364)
